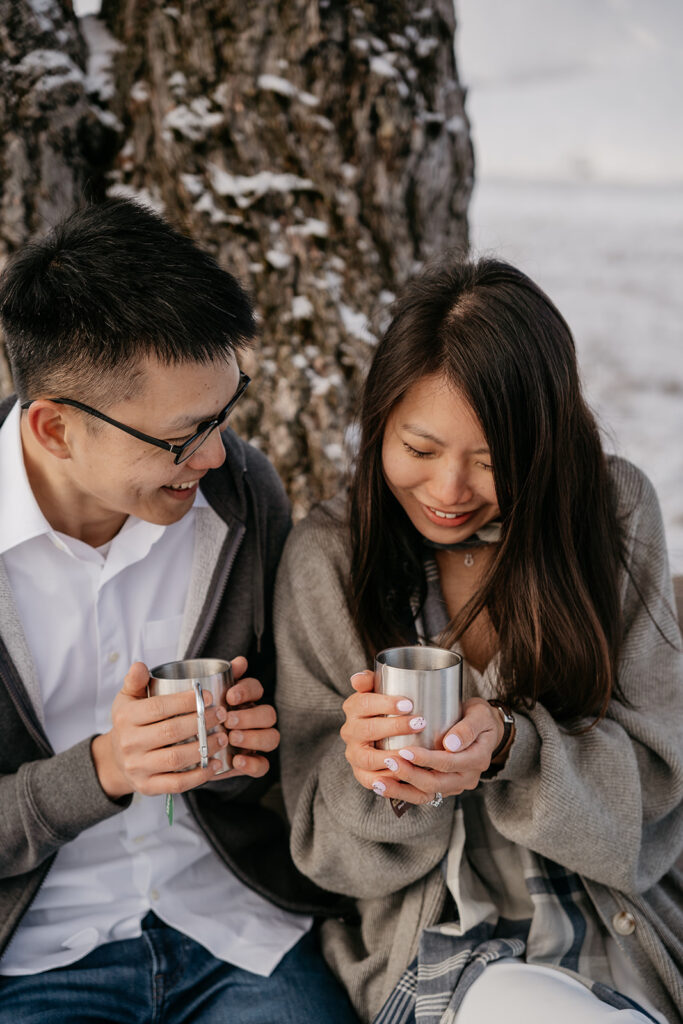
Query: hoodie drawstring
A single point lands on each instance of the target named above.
(258, 582)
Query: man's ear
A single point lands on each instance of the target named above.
(48, 426)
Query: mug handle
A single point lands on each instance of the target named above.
(201, 724)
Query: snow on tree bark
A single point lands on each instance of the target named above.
(53, 140)
(52, 136)
(320, 150)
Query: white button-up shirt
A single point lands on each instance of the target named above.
(87, 615)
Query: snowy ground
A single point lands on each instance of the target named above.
(611, 258)
(587, 89)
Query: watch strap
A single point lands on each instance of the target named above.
(506, 741)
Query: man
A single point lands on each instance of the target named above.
(132, 532)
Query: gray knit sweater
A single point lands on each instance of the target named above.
(607, 805)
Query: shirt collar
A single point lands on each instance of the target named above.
(20, 516)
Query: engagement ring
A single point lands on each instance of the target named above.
(437, 801)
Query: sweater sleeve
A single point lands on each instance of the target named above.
(343, 836)
(608, 804)
(46, 804)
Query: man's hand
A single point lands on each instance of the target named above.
(143, 751)
(251, 728)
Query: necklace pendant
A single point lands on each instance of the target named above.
(469, 559)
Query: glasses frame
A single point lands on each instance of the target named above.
(208, 426)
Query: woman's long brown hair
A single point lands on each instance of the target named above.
(551, 590)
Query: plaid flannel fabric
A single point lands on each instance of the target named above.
(486, 876)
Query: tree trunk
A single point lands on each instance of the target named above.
(53, 140)
(321, 151)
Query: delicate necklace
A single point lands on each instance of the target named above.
(488, 534)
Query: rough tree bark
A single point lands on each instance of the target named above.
(320, 150)
(54, 141)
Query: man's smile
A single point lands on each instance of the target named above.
(182, 491)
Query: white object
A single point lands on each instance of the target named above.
(520, 993)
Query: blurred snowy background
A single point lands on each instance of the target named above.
(578, 134)
(576, 120)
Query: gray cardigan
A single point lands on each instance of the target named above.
(607, 805)
(47, 799)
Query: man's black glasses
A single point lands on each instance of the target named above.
(183, 451)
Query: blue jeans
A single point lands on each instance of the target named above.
(165, 978)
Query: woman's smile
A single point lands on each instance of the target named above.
(448, 519)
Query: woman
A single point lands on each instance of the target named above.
(526, 869)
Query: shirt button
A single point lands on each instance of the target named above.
(114, 657)
(154, 894)
(624, 923)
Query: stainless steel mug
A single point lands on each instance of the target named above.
(196, 674)
(432, 678)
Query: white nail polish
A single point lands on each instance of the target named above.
(379, 788)
(407, 755)
(417, 723)
(404, 705)
(391, 764)
(452, 742)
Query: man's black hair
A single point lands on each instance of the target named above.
(110, 285)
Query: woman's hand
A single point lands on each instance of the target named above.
(415, 774)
